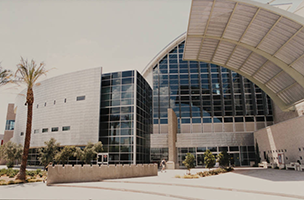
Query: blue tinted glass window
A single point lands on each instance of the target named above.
(164, 121)
(207, 120)
(196, 120)
(217, 120)
(181, 47)
(105, 83)
(163, 61)
(185, 121)
(127, 80)
(184, 82)
(10, 125)
(127, 88)
(127, 73)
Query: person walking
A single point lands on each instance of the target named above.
(163, 165)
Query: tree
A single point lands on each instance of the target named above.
(28, 73)
(209, 159)
(11, 152)
(223, 159)
(89, 152)
(79, 154)
(64, 155)
(189, 161)
(98, 147)
(47, 153)
(5, 76)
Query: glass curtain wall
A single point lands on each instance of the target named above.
(202, 93)
(125, 118)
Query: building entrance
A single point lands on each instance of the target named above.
(102, 158)
(234, 159)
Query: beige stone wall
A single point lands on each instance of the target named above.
(87, 173)
(287, 135)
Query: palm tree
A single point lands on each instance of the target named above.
(4, 76)
(28, 73)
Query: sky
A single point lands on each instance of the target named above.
(73, 35)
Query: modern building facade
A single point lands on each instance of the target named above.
(217, 108)
(227, 83)
(87, 106)
(126, 117)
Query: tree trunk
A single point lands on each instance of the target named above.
(29, 101)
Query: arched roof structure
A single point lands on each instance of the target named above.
(262, 43)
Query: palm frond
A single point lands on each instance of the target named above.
(5, 76)
(28, 72)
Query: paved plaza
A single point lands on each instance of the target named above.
(244, 183)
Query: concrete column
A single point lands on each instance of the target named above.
(172, 132)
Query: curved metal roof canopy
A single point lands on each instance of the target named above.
(260, 42)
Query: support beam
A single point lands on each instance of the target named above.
(287, 68)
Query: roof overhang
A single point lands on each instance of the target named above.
(262, 43)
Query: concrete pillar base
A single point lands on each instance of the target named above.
(171, 165)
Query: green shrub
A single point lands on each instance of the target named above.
(40, 175)
(11, 172)
(38, 171)
(10, 164)
(2, 172)
(31, 173)
(11, 182)
(2, 180)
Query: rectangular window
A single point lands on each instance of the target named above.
(22, 133)
(44, 130)
(54, 129)
(10, 125)
(80, 98)
(66, 128)
(36, 131)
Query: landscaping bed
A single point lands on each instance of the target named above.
(206, 173)
(8, 176)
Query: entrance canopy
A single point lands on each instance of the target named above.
(262, 43)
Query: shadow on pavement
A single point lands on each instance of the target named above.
(271, 174)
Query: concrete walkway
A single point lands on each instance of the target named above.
(243, 183)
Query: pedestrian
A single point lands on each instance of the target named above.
(163, 165)
(46, 169)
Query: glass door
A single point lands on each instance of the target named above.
(234, 159)
(102, 158)
(200, 160)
